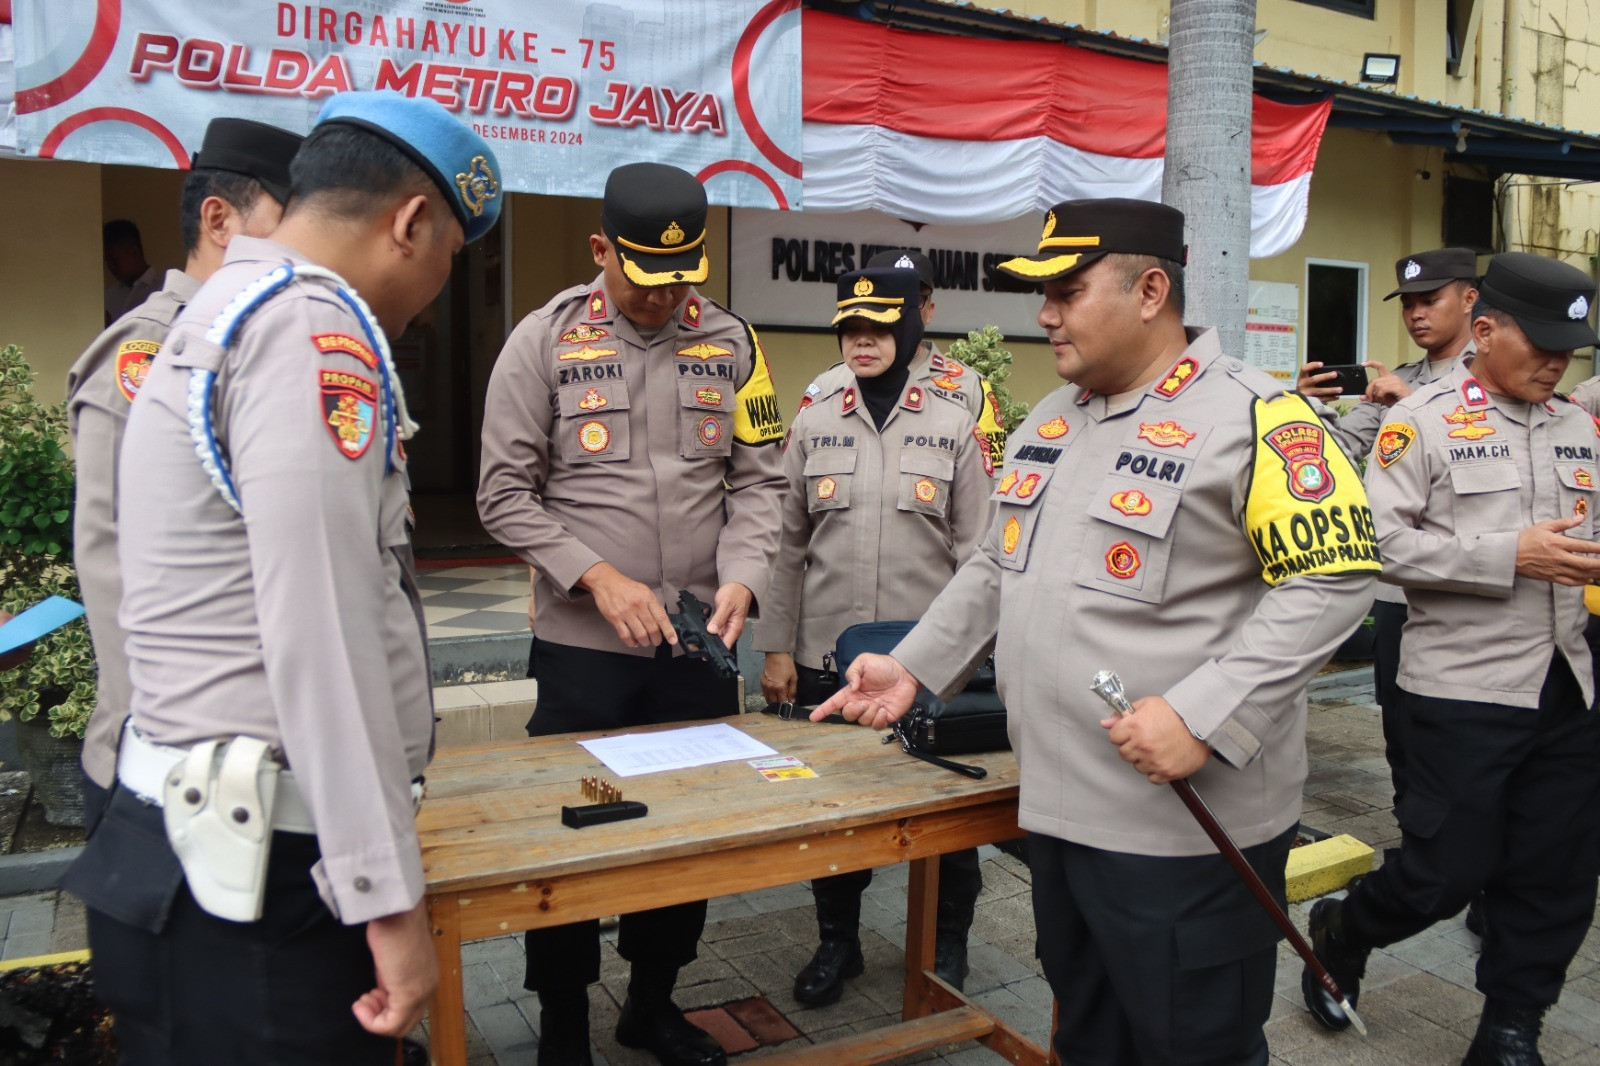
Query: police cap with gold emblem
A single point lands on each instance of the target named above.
(906, 259)
(460, 162)
(654, 215)
(1427, 271)
(254, 149)
(1078, 232)
(1549, 299)
(878, 294)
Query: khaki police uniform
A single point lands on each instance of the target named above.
(946, 379)
(100, 386)
(1356, 429)
(875, 521)
(1204, 539)
(1586, 394)
(576, 470)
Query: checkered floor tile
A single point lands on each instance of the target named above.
(472, 601)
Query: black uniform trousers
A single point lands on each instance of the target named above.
(1506, 801)
(1388, 619)
(960, 879)
(190, 989)
(581, 689)
(1156, 960)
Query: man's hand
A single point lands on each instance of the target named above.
(779, 680)
(729, 611)
(631, 608)
(408, 973)
(1307, 383)
(1386, 388)
(880, 690)
(1544, 554)
(1156, 741)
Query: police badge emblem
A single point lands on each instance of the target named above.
(1299, 445)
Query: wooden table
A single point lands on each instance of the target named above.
(499, 860)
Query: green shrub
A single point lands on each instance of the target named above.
(36, 488)
(983, 352)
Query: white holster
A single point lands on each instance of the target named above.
(218, 807)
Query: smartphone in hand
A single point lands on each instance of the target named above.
(1351, 379)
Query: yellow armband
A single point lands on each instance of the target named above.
(1305, 509)
(755, 417)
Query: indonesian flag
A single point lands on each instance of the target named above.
(964, 130)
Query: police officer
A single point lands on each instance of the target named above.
(237, 185)
(239, 911)
(1169, 490)
(944, 378)
(1586, 394)
(630, 450)
(1436, 289)
(1483, 492)
(888, 494)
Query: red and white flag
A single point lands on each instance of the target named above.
(965, 130)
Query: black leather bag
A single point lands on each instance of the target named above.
(973, 720)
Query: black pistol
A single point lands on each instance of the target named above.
(690, 622)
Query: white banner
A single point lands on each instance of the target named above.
(1272, 329)
(563, 91)
(782, 267)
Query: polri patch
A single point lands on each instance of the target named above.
(1299, 445)
(593, 401)
(343, 342)
(1166, 434)
(1007, 483)
(1122, 560)
(1131, 502)
(709, 396)
(1054, 429)
(586, 354)
(926, 490)
(1393, 440)
(709, 430)
(826, 487)
(703, 350)
(133, 366)
(349, 409)
(1010, 535)
(594, 437)
(1029, 486)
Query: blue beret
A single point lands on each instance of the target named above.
(459, 161)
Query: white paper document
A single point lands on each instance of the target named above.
(674, 749)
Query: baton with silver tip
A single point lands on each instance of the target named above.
(1108, 686)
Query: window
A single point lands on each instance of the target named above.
(1336, 311)
(1365, 8)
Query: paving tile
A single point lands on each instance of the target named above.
(26, 945)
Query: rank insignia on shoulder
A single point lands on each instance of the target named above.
(936, 361)
(1122, 560)
(1182, 372)
(826, 487)
(848, 404)
(1393, 440)
(1166, 434)
(594, 437)
(343, 342)
(709, 430)
(691, 312)
(349, 409)
(913, 399)
(1054, 429)
(1131, 502)
(592, 400)
(583, 334)
(1007, 483)
(134, 359)
(926, 490)
(1010, 535)
(597, 305)
(586, 354)
(805, 401)
(1299, 445)
(703, 350)
(1473, 393)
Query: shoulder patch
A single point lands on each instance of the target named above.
(756, 419)
(1393, 440)
(1178, 378)
(343, 342)
(134, 359)
(983, 450)
(349, 410)
(597, 305)
(583, 334)
(691, 312)
(1305, 510)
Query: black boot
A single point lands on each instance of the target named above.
(650, 1020)
(1344, 962)
(838, 957)
(1475, 924)
(564, 1027)
(1508, 1035)
(953, 922)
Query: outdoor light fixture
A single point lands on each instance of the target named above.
(1381, 68)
